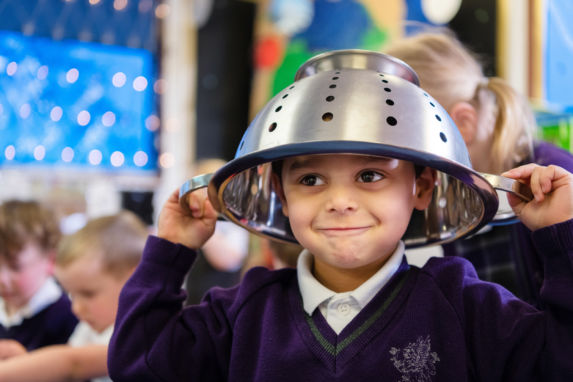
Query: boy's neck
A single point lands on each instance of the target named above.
(341, 280)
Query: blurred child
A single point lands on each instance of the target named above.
(33, 310)
(92, 265)
(498, 127)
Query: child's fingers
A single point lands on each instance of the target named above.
(196, 202)
(539, 178)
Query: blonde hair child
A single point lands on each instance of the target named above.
(92, 265)
(496, 122)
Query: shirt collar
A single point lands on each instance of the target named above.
(314, 293)
(48, 293)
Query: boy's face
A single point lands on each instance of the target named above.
(350, 211)
(93, 291)
(21, 278)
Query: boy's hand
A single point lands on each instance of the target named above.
(552, 189)
(193, 230)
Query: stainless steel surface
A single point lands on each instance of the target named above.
(357, 59)
(503, 186)
(337, 107)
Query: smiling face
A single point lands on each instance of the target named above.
(350, 211)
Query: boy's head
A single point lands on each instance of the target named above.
(94, 263)
(29, 235)
(350, 211)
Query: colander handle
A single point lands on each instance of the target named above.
(512, 186)
(505, 214)
(193, 184)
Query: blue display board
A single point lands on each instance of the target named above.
(76, 105)
(558, 71)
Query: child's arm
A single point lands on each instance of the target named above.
(56, 363)
(11, 348)
(552, 188)
(193, 230)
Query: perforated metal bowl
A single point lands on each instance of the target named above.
(361, 102)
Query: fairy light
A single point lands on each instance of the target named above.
(84, 118)
(140, 83)
(117, 159)
(56, 113)
(67, 154)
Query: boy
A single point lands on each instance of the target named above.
(354, 309)
(33, 310)
(92, 265)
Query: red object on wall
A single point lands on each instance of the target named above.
(268, 53)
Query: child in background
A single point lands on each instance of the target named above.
(92, 266)
(34, 312)
(498, 127)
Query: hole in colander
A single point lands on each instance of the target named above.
(335, 78)
(385, 81)
(327, 117)
(278, 109)
(388, 90)
(241, 145)
(292, 87)
(438, 118)
(432, 104)
(332, 86)
(389, 102)
(329, 98)
(273, 126)
(286, 95)
(391, 121)
(443, 137)
(336, 72)
(426, 94)
(381, 74)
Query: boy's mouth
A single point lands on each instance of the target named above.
(343, 231)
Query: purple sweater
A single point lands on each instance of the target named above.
(437, 323)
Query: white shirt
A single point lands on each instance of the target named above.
(48, 293)
(84, 335)
(340, 308)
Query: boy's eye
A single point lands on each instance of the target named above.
(311, 180)
(370, 176)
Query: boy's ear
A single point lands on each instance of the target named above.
(277, 186)
(465, 117)
(425, 183)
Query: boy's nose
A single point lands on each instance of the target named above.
(341, 200)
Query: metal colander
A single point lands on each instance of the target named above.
(360, 102)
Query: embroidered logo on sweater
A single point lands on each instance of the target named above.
(416, 361)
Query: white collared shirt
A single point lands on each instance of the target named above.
(48, 293)
(340, 308)
(84, 335)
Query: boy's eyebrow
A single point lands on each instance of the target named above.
(307, 161)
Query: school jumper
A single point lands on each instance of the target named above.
(437, 323)
(47, 320)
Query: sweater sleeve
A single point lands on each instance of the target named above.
(556, 245)
(155, 339)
